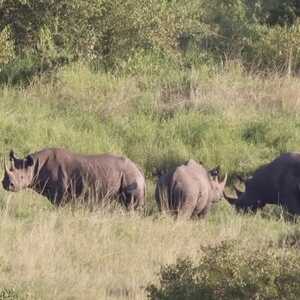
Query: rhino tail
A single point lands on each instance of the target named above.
(122, 188)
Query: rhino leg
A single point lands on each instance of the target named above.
(187, 208)
(55, 194)
(133, 196)
(204, 211)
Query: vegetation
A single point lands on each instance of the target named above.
(226, 273)
(40, 35)
(161, 82)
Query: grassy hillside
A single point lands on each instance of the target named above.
(159, 116)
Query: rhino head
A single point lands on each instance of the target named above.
(20, 173)
(217, 185)
(243, 201)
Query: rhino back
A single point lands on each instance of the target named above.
(106, 170)
(189, 185)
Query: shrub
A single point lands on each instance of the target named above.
(227, 272)
(185, 33)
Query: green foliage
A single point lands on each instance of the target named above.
(124, 37)
(276, 12)
(100, 30)
(227, 272)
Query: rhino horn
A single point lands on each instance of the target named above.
(231, 200)
(5, 167)
(238, 192)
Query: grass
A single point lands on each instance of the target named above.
(158, 119)
(48, 253)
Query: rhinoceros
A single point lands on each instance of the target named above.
(61, 176)
(189, 190)
(277, 182)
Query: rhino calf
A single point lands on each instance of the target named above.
(277, 182)
(189, 190)
(61, 175)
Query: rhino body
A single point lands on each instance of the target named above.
(61, 175)
(275, 183)
(188, 191)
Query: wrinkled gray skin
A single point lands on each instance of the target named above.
(275, 183)
(188, 191)
(61, 176)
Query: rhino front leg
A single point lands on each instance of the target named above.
(133, 196)
(204, 211)
(134, 201)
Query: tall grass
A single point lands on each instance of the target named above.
(222, 116)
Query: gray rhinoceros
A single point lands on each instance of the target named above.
(61, 175)
(189, 190)
(275, 183)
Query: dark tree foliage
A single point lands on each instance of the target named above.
(275, 12)
(40, 35)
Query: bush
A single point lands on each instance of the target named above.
(226, 272)
(186, 34)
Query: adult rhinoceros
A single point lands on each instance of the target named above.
(61, 175)
(189, 190)
(275, 183)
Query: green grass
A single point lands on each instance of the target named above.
(158, 119)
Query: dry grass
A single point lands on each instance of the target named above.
(59, 254)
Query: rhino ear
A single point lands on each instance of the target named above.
(29, 161)
(12, 155)
(215, 172)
